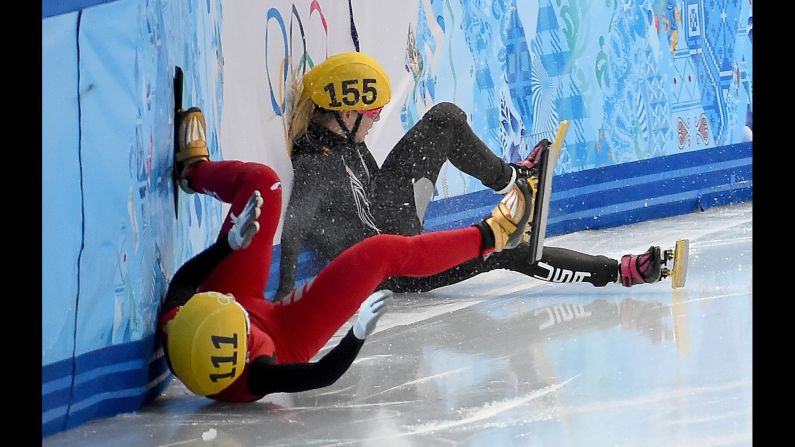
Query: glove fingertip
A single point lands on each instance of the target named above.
(252, 230)
(385, 293)
(379, 307)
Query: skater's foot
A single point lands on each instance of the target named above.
(510, 219)
(191, 146)
(529, 166)
(644, 268)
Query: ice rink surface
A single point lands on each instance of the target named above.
(504, 360)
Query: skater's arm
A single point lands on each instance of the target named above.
(308, 190)
(266, 377)
(188, 278)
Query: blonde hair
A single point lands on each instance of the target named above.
(302, 111)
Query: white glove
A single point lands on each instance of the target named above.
(369, 312)
(245, 224)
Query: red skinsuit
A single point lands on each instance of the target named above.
(296, 331)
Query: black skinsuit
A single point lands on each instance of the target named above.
(340, 197)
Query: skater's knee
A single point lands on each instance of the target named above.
(261, 177)
(446, 112)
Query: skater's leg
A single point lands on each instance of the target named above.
(404, 185)
(244, 271)
(556, 265)
(312, 314)
(469, 269)
(564, 265)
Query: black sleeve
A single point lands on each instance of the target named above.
(305, 198)
(266, 377)
(190, 276)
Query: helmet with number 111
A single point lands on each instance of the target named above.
(208, 342)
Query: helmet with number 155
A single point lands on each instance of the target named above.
(207, 342)
(348, 81)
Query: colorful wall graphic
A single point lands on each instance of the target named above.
(638, 79)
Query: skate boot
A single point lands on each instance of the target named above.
(641, 269)
(191, 145)
(510, 220)
(528, 169)
(529, 166)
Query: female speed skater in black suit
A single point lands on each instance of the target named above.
(340, 196)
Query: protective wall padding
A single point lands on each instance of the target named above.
(109, 109)
(108, 149)
(603, 197)
(623, 194)
(56, 391)
(61, 209)
(109, 380)
(50, 8)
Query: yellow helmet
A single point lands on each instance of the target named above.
(348, 81)
(208, 342)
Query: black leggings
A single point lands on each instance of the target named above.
(555, 265)
(404, 185)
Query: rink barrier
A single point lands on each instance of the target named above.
(626, 193)
(100, 383)
(603, 197)
(106, 84)
(51, 8)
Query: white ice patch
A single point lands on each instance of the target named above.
(209, 435)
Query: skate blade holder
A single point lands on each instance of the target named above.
(679, 256)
